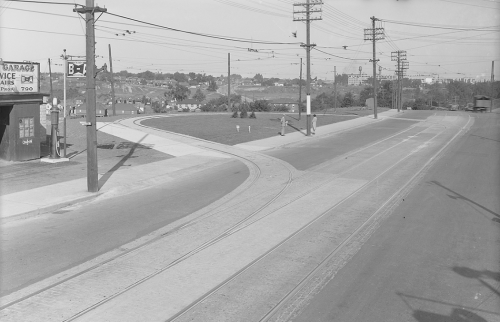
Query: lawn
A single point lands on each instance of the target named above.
(222, 128)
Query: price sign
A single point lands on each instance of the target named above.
(19, 77)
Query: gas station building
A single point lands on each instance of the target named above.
(20, 99)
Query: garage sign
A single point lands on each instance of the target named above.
(77, 69)
(19, 77)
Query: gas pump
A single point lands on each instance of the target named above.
(55, 152)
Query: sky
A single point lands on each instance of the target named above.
(444, 38)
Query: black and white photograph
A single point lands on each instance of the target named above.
(250, 160)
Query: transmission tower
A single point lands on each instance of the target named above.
(308, 11)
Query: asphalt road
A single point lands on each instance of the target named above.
(306, 156)
(436, 258)
(39, 247)
(34, 249)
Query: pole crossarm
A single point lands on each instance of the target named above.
(90, 9)
(399, 54)
(307, 19)
(310, 3)
(374, 33)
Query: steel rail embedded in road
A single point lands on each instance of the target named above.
(248, 220)
(260, 258)
(390, 204)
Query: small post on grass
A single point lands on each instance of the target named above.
(249, 129)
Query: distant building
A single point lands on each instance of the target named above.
(287, 103)
(190, 104)
(356, 79)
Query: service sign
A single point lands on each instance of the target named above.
(77, 69)
(19, 77)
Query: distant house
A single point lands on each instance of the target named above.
(124, 108)
(281, 103)
(100, 109)
(190, 104)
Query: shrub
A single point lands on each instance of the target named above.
(235, 114)
(252, 115)
(281, 108)
(244, 114)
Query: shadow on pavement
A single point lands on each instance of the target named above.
(133, 147)
(459, 196)
(458, 313)
(479, 276)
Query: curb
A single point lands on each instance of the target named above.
(45, 209)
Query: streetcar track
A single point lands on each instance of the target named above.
(202, 217)
(229, 231)
(257, 260)
(405, 189)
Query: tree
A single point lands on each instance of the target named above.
(348, 100)
(199, 96)
(177, 92)
(146, 75)
(212, 86)
(260, 106)
(258, 78)
(322, 101)
(366, 93)
(180, 77)
(384, 96)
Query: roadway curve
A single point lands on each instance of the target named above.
(437, 257)
(261, 248)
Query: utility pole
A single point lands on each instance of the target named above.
(92, 175)
(401, 66)
(374, 34)
(113, 104)
(229, 81)
(300, 89)
(491, 84)
(335, 89)
(309, 9)
(65, 57)
(50, 78)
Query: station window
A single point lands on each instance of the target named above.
(26, 127)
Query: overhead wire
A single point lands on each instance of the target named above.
(227, 38)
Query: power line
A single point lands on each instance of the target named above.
(324, 52)
(437, 26)
(467, 4)
(205, 35)
(47, 2)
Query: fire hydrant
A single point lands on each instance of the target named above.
(54, 121)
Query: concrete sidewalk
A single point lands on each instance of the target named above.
(188, 158)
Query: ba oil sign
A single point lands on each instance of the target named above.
(19, 77)
(77, 69)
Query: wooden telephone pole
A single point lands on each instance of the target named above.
(309, 10)
(92, 175)
(300, 90)
(374, 34)
(113, 101)
(229, 82)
